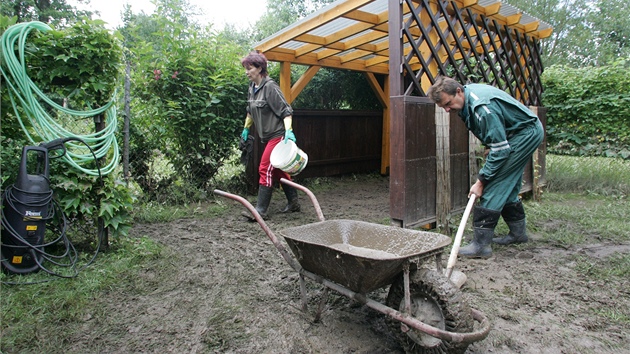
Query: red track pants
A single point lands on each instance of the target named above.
(268, 173)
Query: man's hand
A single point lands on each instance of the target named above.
(476, 189)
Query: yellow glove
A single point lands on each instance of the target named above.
(287, 122)
(288, 132)
(248, 122)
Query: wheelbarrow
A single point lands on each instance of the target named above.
(426, 312)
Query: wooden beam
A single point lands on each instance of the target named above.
(363, 16)
(355, 54)
(285, 80)
(334, 41)
(303, 81)
(443, 169)
(366, 38)
(348, 32)
(312, 60)
(466, 3)
(363, 44)
(312, 23)
(376, 60)
(542, 33)
(531, 27)
(376, 87)
(327, 53)
(514, 19)
(307, 48)
(491, 9)
(309, 38)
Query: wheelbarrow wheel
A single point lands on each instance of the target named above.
(434, 301)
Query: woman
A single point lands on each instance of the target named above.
(271, 114)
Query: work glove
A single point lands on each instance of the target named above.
(288, 135)
(245, 134)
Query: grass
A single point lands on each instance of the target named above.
(614, 270)
(570, 218)
(598, 175)
(51, 302)
(586, 201)
(615, 266)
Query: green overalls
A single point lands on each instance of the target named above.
(512, 133)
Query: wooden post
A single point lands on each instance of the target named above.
(103, 235)
(395, 49)
(536, 189)
(126, 173)
(443, 169)
(395, 86)
(386, 132)
(473, 164)
(285, 80)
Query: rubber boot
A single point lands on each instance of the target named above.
(293, 205)
(262, 203)
(514, 216)
(484, 222)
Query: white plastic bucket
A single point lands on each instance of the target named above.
(288, 157)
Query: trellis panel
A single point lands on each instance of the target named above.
(442, 38)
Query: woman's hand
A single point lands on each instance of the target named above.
(288, 135)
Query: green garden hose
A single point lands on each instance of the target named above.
(25, 94)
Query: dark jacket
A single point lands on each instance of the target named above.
(268, 107)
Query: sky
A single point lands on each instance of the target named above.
(241, 13)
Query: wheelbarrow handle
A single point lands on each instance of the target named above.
(274, 239)
(310, 194)
(458, 237)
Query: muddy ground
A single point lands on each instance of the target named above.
(228, 290)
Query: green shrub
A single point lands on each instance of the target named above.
(190, 99)
(588, 110)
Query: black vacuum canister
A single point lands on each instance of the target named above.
(26, 207)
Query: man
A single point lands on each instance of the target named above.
(512, 133)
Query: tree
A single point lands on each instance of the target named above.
(571, 31)
(283, 13)
(336, 89)
(56, 13)
(585, 32)
(611, 22)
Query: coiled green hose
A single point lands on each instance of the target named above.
(23, 92)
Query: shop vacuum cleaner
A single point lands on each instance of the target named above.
(27, 209)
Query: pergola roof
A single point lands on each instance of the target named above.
(354, 34)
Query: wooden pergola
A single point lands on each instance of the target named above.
(411, 42)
